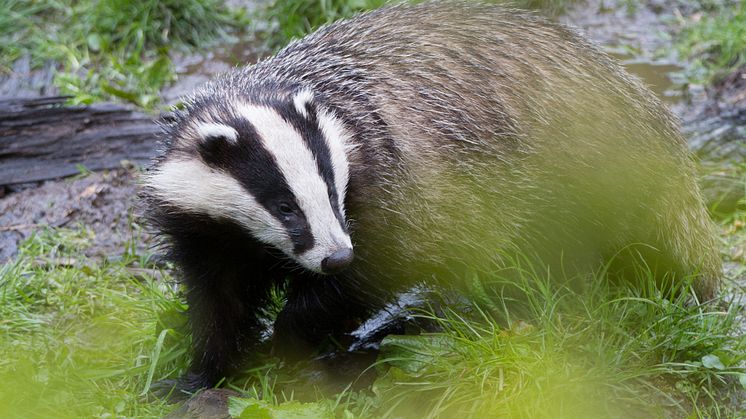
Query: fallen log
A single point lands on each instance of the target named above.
(41, 138)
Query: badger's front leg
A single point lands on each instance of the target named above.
(227, 279)
(225, 327)
(319, 310)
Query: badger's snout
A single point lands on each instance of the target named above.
(337, 261)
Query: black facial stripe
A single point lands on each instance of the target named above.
(309, 130)
(249, 162)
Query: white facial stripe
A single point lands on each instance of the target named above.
(301, 99)
(298, 165)
(192, 186)
(337, 140)
(209, 129)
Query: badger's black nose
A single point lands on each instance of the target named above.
(337, 261)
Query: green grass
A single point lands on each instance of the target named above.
(81, 338)
(120, 50)
(297, 18)
(599, 354)
(114, 49)
(714, 42)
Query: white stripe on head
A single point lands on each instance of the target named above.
(210, 129)
(300, 101)
(337, 139)
(297, 163)
(192, 186)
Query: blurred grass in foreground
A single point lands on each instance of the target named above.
(87, 339)
(605, 353)
(80, 339)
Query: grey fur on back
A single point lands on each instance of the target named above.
(480, 130)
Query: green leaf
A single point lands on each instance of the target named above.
(742, 380)
(82, 172)
(159, 71)
(128, 96)
(413, 353)
(94, 42)
(258, 409)
(712, 362)
(247, 408)
(154, 361)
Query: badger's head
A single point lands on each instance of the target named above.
(276, 166)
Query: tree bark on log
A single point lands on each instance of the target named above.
(42, 139)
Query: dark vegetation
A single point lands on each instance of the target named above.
(110, 49)
(714, 41)
(296, 18)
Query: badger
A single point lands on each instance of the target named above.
(413, 144)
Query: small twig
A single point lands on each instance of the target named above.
(64, 261)
(16, 227)
(138, 273)
(141, 273)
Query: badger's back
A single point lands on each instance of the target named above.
(481, 131)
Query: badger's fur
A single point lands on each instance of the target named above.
(436, 140)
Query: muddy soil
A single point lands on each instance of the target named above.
(195, 70)
(714, 119)
(639, 30)
(103, 203)
(23, 81)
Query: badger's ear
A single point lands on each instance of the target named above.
(170, 117)
(303, 102)
(213, 133)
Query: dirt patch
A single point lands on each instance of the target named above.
(25, 81)
(715, 119)
(208, 404)
(102, 202)
(640, 35)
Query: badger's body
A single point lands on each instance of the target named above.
(436, 140)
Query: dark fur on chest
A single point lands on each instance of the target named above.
(228, 277)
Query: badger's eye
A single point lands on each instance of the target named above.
(285, 209)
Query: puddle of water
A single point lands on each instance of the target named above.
(658, 76)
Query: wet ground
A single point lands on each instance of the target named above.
(101, 202)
